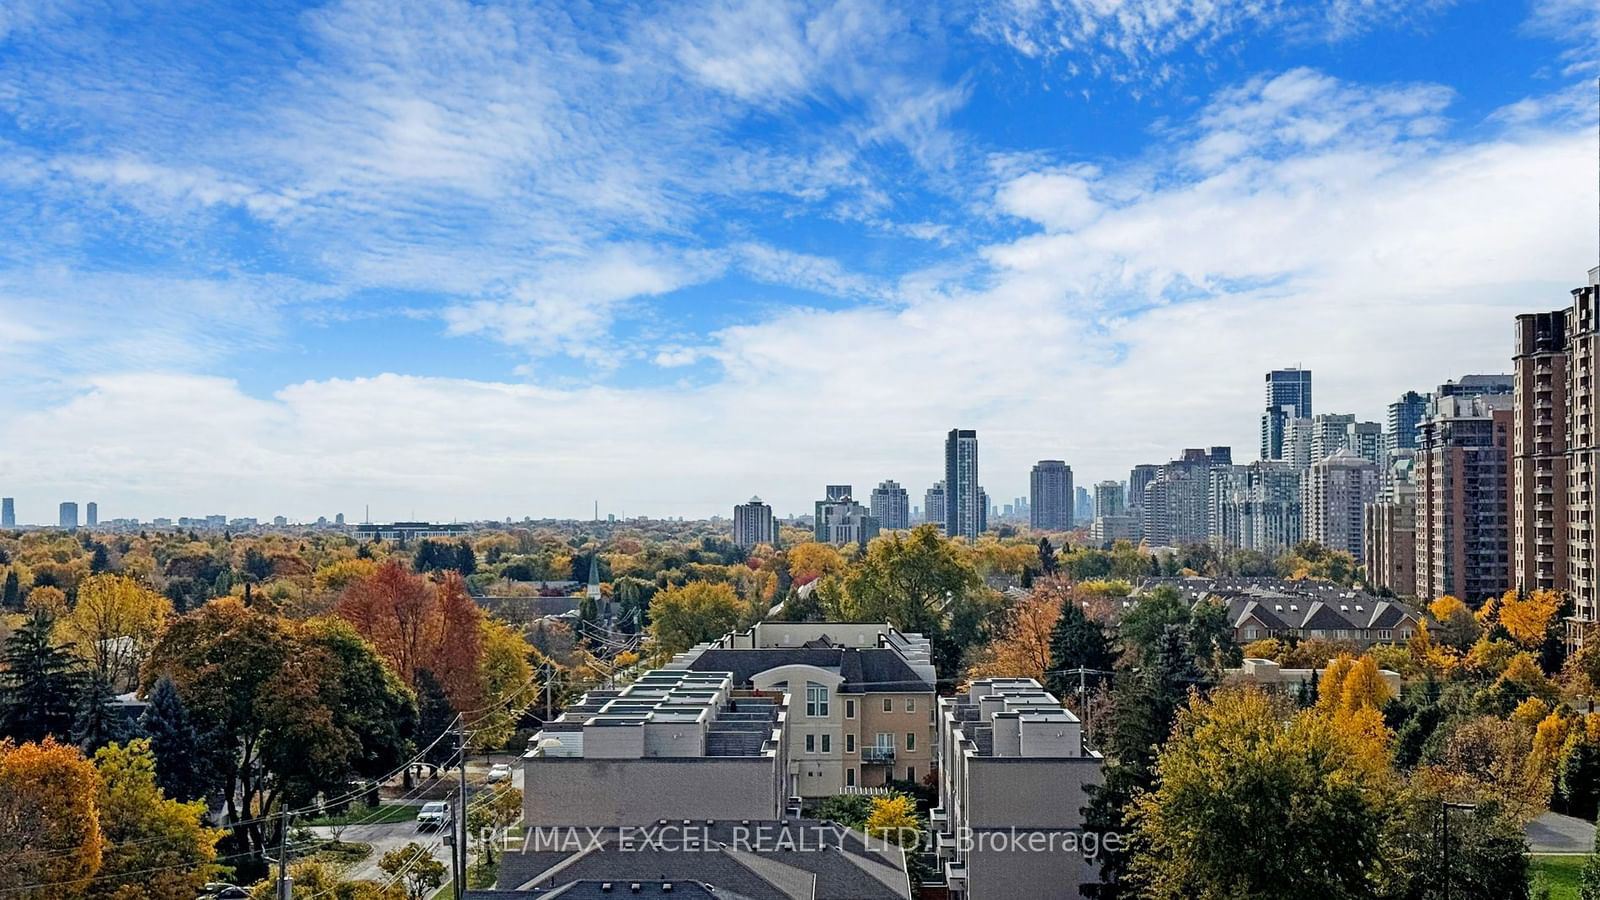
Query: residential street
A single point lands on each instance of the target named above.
(394, 835)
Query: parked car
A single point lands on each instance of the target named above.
(434, 814)
(221, 890)
(499, 772)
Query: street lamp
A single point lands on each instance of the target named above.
(1444, 811)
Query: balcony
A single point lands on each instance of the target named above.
(877, 756)
(955, 876)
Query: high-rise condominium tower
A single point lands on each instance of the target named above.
(1051, 497)
(1464, 466)
(1108, 499)
(1288, 397)
(841, 520)
(1556, 456)
(891, 505)
(1405, 415)
(8, 513)
(963, 507)
(753, 524)
(69, 515)
(933, 507)
(1539, 453)
(1334, 495)
(92, 514)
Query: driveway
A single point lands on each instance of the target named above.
(1555, 833)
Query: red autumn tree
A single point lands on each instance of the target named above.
(457, 659)
(417, 624)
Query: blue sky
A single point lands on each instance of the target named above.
(482, 259)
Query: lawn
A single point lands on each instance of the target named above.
(385, 814)
(1560, 874)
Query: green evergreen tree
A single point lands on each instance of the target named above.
(99, 720)
(100, 561)
(11, 594)
(181, 764)
(40, 684)
(1047, 556)
(1144, 707)
(1076, 642)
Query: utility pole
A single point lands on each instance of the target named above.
(549, 681)
(1083, 694)
(461, 817)
(285, 887)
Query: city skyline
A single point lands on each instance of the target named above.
(421, 305)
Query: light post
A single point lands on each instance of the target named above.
(1444, 811)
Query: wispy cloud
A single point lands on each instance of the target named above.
(1140, 40)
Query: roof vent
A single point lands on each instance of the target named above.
(634, 887)
(605, 887)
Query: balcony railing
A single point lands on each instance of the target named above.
(877, 755)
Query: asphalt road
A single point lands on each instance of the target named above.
(394, 835)
(1555, 833)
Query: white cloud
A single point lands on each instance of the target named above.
(1383, 268)
(1138, 39)
(568, 306)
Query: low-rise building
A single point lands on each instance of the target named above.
(863, 710)
(1013, 782)
(1269, 674)
(1260, 608)
(671, 745)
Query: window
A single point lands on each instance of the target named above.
(816, 700)
(849, 743)
(885, 741)
(849, 709)
(888, 704)
(850, 777)
(911, 741)
(811, 743)
(911, 704)
(827, 743)
(911, 773)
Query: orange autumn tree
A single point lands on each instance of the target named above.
(416, 625)
(49, 821)
(1022, 648)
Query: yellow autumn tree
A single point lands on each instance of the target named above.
(113, 625)
(1530, 712)
(1527, 617)
(894, 819)
(814, 559)
(1456, 626)
(1429, 655)
(340, 574)
(1524, 672)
